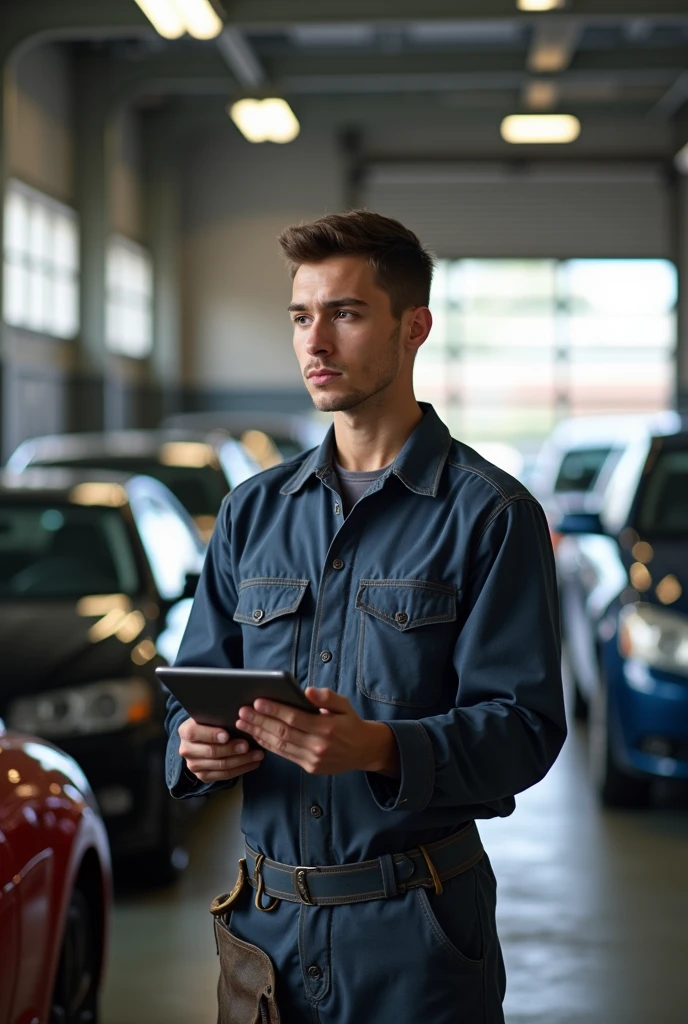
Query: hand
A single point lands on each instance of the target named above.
(211, 757)
(336, 741)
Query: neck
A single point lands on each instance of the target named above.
(370, 438)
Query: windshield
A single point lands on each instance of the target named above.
(579, 469)
(200, 489)
(59, 551)
(664, 501)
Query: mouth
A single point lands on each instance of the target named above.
(320, 377)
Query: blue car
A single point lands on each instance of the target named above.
(623, 577)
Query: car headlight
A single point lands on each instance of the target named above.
(78, 710)
(654, 636)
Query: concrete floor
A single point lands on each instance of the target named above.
(593, 913)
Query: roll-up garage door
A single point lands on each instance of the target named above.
(491, 210)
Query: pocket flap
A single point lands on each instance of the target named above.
(406, 604)
(264, 599)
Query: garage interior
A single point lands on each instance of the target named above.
(124, 139)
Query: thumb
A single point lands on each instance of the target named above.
(327, 700)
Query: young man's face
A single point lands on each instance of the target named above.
(348, 343)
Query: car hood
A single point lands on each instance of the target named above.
(47, 646)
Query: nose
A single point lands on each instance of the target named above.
(319, 338)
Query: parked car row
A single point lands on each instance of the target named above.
(622, 564)
(102, 540)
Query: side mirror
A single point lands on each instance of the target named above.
(580, 522)
(190, 584)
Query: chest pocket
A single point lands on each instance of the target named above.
(406, 637)
(268, 610)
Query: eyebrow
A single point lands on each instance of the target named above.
(299, 307)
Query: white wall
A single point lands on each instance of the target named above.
(238, 197)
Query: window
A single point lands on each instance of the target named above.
(519, 344)
(129, 321)
(41, 268)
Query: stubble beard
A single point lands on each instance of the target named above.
(384, 376)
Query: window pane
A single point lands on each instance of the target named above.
(16, 223)
(39, 234)
(65, 319)
(65, 243)
(129, 287)
(16, 285)
(37, 312)
(620, 286)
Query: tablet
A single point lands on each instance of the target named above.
(213, 696)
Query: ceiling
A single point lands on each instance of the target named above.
(430, 66)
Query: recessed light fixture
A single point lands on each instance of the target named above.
(540, 5)
(540, 128)
(172, 18)
(268, 120)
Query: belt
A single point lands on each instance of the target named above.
(387, 876)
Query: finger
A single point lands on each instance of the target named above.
(277, 729)
(195, 733)
(290, 716)
(328, 700)
(223, 764)
(212, 751)
(280, 739)
(224, 776)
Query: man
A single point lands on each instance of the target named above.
(409, 584)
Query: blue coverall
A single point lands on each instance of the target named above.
(432, 606)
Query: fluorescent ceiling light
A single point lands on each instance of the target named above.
(269, 120)
(540, 5)
(172, 18)
(202, 21)
(543, 128)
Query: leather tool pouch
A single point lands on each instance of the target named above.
(246, 989)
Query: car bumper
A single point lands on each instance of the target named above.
(126, 772)
(650, 726)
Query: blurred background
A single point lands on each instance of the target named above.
(150, 153)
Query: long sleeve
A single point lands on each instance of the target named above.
(508, 724)
(212, 640)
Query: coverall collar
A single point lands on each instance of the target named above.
(418, 465)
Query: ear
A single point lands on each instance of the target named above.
(419, 327)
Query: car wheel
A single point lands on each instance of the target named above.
(614, 786)
(75, 996)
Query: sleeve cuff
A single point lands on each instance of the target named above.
(413, 791)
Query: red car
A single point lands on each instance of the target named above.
(54, 886)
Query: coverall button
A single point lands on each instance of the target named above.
(315, 972)
(258, 614)
(326, 656)
(337, 508)
(337, 564)
(316, 811)
(402, 618)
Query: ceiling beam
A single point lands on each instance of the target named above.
(673, 99)
(276, 13)
(553, 44)
(241, 57)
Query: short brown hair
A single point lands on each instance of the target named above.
(402, 265)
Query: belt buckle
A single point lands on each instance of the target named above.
(301, 880)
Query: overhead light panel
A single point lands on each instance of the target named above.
(541, 94)
(540, 5)
(269, 120)
(172, 18)
(540, 128)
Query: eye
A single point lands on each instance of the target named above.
(301, 319)
(344, 312)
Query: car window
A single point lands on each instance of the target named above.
(579, 469)
(171, 547)
(60, 551)
(200, 489)
(664, 500)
